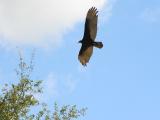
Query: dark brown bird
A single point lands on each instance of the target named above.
(88, 41)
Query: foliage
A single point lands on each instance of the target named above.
(17, 100)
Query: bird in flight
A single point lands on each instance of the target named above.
(88, 41)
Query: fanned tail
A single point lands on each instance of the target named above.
(98, 44)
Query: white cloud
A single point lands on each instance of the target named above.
(106, 12)
(70, 83)
(151, 15)
(50, 88)
(50, 85)
(40, 22)
(55, 86)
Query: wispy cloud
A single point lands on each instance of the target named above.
(55, 86)
(1, 77)
(107, 11)
(41, 22)
(70, 83)
(51, 85)
(50, 88)
(151, 15)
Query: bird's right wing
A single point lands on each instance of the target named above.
(92, 18)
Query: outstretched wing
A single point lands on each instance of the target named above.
(92, 17)
(85, 54)
(90, 30)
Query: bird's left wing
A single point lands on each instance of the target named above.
(85, 54)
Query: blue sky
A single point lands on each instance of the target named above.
(121, 81)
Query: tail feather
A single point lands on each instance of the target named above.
(98, 44)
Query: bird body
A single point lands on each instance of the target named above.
(88, 41)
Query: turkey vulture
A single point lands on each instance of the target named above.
(88, 41)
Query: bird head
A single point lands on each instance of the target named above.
(80, 41)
